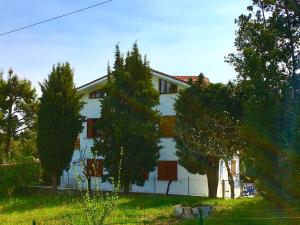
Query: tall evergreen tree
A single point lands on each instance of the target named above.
(129, 120)
(268, 44)
(59, 121)
(17, 108)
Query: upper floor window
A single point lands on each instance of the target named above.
(97, 94)
(166, 87)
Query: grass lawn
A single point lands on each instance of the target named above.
(137, 209)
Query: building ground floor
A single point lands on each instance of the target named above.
(168, 168)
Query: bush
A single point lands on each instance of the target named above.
(14, 175)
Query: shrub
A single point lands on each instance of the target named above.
(14, 175)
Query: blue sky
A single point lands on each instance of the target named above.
(180, 37)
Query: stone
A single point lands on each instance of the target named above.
(206, 210)
(187, 213)
(178, 210)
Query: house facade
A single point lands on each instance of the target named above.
(168, 168)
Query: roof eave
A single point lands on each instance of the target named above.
(156, 72)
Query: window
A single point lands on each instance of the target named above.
(77, 143)
(91, 131)
(167, 170)
(94, 167)
(167, 126)
(233, 167)
(97, 94)
(166, 87)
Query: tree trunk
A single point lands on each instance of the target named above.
(54, 183)
(89, 183)
(126, 185)
(230, 180)
(213, 178)
(7, 144)
(168, 187)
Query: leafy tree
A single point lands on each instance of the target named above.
(129, 120)
(206, 130)
(267, 46)
(214, 135)
(17, 108)
(59, 121)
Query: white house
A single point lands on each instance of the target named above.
(184, 183)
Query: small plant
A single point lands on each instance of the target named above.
(97, 206)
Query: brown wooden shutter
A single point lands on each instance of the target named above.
(167, 126)
(94, 167)
(91, 128)
(167, 170)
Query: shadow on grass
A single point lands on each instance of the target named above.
(131, 203)
(156, 201)
(31, 202)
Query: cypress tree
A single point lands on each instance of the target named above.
(59, 121)
(129, 120)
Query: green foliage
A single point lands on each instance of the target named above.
(267, 43)
(206, 130)
(187, 107)
(97, 208)
(14, 175)
(17, 109)
(59, 120)
(128, 120)
(25, 145)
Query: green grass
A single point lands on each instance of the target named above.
(248, 211)
(146, 209)
(57, 209)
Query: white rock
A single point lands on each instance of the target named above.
(178, 210)
(187, 213)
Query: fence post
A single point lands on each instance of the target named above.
(154, 183)
(223, 188)
(241, 187)
(188, 185)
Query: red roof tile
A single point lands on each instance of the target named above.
(187, 78)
